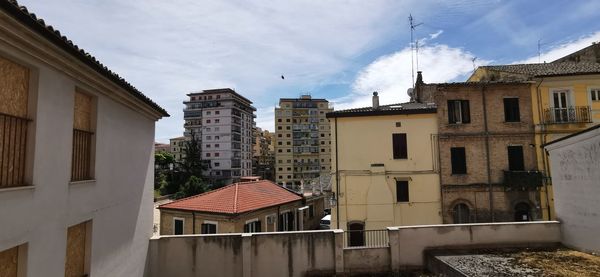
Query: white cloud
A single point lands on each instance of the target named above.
(564, 49)
(391, 75)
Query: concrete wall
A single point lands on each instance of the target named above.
(576, 180)
(322, 253)
(118, 201)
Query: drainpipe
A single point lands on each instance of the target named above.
(439, 160)
(337, 177)
(194, 223)
(543, 141)
(487, 154)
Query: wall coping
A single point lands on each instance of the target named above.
(396, 228)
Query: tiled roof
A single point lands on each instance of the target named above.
(392, 109)
(21, 14)
(236, 198)
(548, 69)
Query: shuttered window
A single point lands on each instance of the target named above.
(458, 159)
(402, 191)
(515, 158)
(511, 110)
(399, 146)
(459, 111)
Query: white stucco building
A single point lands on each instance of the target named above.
(76, 158)
(575, 168)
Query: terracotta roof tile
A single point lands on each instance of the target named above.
(236, 198)
(548, 69)
(400, 108)
(53, 35)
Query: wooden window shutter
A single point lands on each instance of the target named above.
(515, 158)
(458, 160)
(451, 107)
(465, 111)
(399, 144)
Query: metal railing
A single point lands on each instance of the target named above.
(571, 114)
(366, 238)
(13, 140)
(82, 155)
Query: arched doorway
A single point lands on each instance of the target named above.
(522, 212)
(356, 234)
(461, 213)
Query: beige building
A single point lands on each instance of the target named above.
(263, 154)
(177, 148)
(76, 157)
(385, 166)
(303, 146)
(254, 206)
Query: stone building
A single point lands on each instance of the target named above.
(486, 144)
(303, 147)
(223, 120)
(176, 148)
(254, 206)
(76, 157)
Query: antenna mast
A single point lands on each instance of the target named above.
(412, 47)
(539, 50)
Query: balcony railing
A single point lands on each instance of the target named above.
(82, 155)
(13, 140)
(523, 180)
(366, 238)
(572, 114)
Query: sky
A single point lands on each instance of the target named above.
(341, 50)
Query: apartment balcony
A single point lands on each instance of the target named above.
(523, 180)
(572, 114)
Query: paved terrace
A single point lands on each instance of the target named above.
(322, 253)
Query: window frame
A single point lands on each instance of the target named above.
(400, 146)
(512, 115)
(209, 222)
(403, 197)
(455, 169)
(459, 107)
(182, 225)
(520, 160)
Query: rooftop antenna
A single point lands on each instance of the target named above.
(473, 61)
(539, 45)
(412, 46)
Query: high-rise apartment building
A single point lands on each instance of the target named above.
(223, 120)
(303, 147)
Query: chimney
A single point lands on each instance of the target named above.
(375, 101)
(418, 85)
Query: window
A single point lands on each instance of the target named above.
(461, 213)
(458, 159)
(208, 227)
(207, 112)
(81, 162)
(252, 226)
(14, 90)
(207, 154)
(217, 112)
(279, 120)
(217, 154)
(208, 121)
(216, 145)
(595, 94)
(12, 259)
(278, 127)
(217, 120)
(178, 224)
(458, 111)
(401, 191)
(208, 146)
(515, 158)
(286, 221)
(78, 249)
(217, 164)
(399, 146)
(511, 110)
(311, 211)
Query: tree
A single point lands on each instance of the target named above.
(191, 164)
(192, 187)
(163, 160)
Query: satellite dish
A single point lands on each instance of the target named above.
(410, 92)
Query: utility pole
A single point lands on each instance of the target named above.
(412, 46)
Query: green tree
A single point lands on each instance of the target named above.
(163, 160)
(191, 164)
(193, 186)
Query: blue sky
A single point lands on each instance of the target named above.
(341, 50)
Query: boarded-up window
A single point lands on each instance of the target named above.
(82, 138)
(14, 87)
(77, 254)
(9, 261)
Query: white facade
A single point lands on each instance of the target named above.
(118, 201)
(575, 168)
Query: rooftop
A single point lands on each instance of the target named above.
(236, 198)
(38, 25)
(219, 90)
(548, 69)
(392, 109)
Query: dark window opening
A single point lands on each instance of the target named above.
(458, 111)
(399, 146)
(511, 110)
(208, 228)
(515, 158)
(401, 191)
(459, 160)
